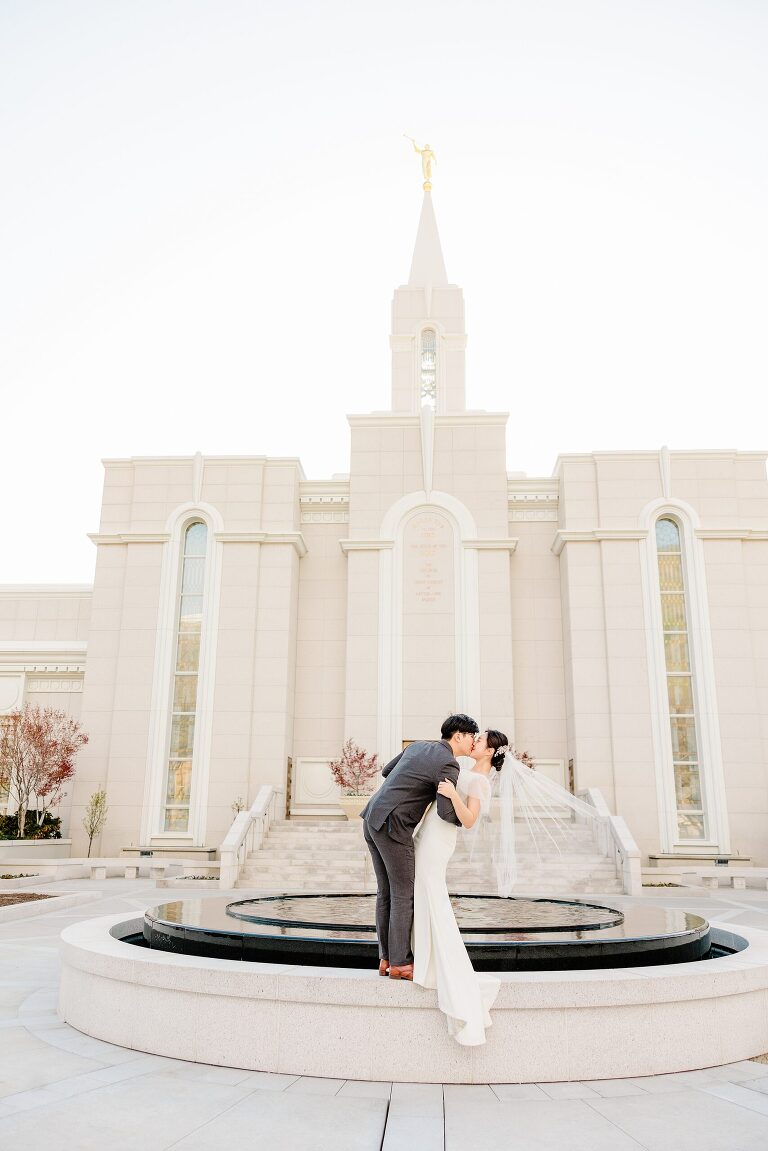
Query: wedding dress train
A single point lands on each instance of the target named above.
(440, 959)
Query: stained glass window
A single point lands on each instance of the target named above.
(178, 789)
(689, 795)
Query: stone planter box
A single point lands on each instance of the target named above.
(18, 884)
(26, 849)
(352, 805)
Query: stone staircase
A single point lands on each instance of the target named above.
(330, 855)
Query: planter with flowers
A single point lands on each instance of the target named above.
(356, 773)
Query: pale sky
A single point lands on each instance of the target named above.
(206, 206)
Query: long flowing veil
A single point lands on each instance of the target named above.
(548, 810)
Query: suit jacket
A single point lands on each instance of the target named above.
(410, 785)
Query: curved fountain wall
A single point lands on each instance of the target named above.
(547, 1026)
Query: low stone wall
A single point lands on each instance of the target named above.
(548, 1026)
(26, 849)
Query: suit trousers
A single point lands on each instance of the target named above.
(394, 866)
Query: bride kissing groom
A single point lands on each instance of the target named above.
(418, 935)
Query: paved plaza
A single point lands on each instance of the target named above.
(57, 1084)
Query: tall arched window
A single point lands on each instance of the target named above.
(428, 364)
(178, 788)
(690, 800)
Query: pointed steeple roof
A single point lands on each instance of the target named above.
(427, 265)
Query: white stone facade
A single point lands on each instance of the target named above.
(427, 581)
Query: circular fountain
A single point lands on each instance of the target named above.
(587, 991)
(500, 934)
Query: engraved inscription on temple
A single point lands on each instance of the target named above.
(428, 563)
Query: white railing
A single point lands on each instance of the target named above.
(614, 838)
(247, 834)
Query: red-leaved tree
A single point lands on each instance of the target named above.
(38, 748)
(355, 770)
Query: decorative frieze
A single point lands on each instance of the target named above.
(54, 685)
(533, 515)
(325, 502)
(324, 517)
(533, 501)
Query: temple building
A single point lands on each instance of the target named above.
(245, 620)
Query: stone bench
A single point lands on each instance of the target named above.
(738, 876)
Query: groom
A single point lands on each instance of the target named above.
(391, 816)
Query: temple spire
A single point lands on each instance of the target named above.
(427, 265)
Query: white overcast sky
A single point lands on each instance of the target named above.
(206, 205)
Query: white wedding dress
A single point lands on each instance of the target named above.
(440, 959)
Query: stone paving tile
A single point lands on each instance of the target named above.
(686, 1121)
(269, 1080)
(121, 1116)
(417, 1099)
(739, 1072)
(413, 1133)
(468, 1093)
(27, 1062)
(359, 1089)
(568, 1091)
(510, 1092)
(310, 1085)
(533, 1126)
(415, 1118)
(735, 1093)
(613, 1088)
(760, 1085)
(308, 1123)
(655, 1084)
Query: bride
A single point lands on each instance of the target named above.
(440, 959)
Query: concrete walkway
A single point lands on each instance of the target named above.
(59, 1085)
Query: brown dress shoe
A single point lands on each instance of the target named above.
(383, 967)
(404, 972)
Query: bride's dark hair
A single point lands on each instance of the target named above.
(498, 741)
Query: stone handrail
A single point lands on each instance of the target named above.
(615, 838)
(247, 834)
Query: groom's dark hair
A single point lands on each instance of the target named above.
(462, 723)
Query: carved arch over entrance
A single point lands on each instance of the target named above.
(466, 611)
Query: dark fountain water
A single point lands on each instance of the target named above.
(516, 934)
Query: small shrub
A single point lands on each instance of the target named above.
(50, 828)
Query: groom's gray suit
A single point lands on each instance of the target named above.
(391, 816)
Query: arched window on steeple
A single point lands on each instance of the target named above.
(428, 365)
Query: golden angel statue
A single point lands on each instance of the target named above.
(427, 160)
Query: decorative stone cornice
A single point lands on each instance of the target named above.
(366, 545)
(378, 419)
(47, 657)
(565, 537)
(693, 454)
(104, 539)
(296, 539)
(502, 544)
(754, 534)
(60, 647)
(459, 419)
(46, 590)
